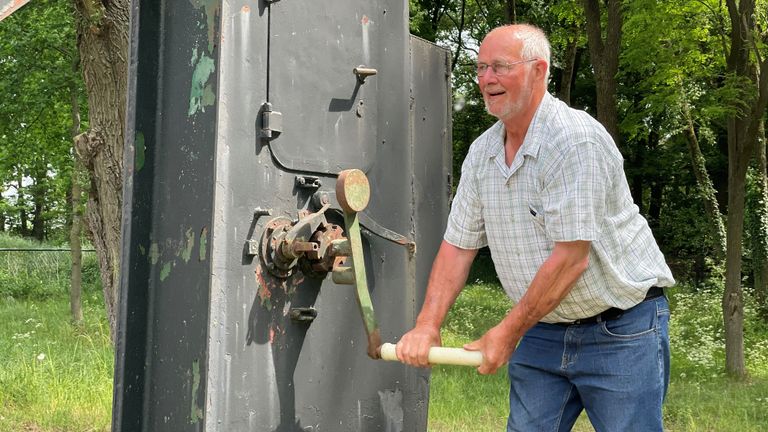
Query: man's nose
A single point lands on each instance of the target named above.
(489, 77)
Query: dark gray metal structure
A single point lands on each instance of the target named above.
(210, 339)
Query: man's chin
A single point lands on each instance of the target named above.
(498, 113)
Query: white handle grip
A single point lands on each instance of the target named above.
(440, 355)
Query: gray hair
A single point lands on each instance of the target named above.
(534, 43)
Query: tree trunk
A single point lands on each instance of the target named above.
(733, 297)
(605, 60)
(743, 129)
(654, 204)
(76, 253)
(569, 63)
(103, 46)
(705, 186)
(460, 38)
(759, 232)
(510, 12)
(21, 204)
(38, 194)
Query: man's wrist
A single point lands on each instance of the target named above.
(428, 324)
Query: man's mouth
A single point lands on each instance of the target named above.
(495, 92)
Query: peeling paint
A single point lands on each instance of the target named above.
(196, 413)
(391, 402)
(201, 94)
(211, 10)
(138, 146)
(142, 250)
(154, 253)
(186, 254)
(203, 243)
(264, 293)
(166, 270)
(209, 97)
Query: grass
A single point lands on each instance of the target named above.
(56, 377)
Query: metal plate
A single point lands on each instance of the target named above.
(329, 117)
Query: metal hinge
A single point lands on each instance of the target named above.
(271, 122)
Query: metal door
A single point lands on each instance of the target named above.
(209, 338)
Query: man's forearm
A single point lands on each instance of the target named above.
(448, 276)
(552, 283)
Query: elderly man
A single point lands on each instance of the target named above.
(544, 189)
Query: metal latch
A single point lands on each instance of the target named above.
(307, 182)
(271, 122)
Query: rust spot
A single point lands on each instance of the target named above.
(365, 20)
(265, 291)
(246, 9)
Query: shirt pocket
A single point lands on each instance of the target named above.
(537, 216)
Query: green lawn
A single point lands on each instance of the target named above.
(55, 377)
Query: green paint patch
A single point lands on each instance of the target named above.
(199, 97)
(203, 243)
(186, 254)
(154, 253)
(142, 250)
(139, 149)
(165, 271)
(196, 413)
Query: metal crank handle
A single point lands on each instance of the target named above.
(440, 355)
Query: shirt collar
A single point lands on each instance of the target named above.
(531, 142)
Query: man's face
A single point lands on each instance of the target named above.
(508, 95)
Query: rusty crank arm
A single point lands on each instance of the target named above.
(353, 193)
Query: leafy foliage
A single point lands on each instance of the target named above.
(38, 64)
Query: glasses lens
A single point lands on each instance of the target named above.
(501, 68)
(481, 69)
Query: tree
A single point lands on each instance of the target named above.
(604, 52)
(102, 35)
(36, 47)
(747, 64)
(667, 64)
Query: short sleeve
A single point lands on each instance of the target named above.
(466, 227)
(575, 191)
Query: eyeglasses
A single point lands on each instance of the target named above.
(499, 68)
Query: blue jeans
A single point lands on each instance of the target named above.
(617, 370)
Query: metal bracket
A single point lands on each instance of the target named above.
(271, 122)
(252, 245)
(303, 314)
(308, 182)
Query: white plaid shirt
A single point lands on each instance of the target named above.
(566, 183)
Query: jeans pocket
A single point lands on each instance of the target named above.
(636, 322)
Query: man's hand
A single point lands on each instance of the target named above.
(413, 348)
(497, 345)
